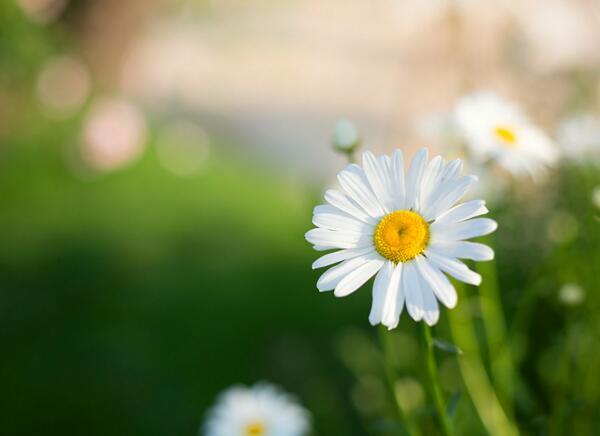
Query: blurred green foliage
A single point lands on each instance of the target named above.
(130, 300)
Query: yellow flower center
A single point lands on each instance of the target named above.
(255, 429)
(506, 135)
(400, 236)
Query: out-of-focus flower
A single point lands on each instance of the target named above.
(42, 11)
(183, 148)
(579, 137)
(571, 294)
(114, 134)
(405, 229)
(495, 129)
(346, 137)
(261, 410)
(63, 85)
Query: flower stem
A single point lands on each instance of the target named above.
(502, 369)
(473, 373)
(403, 416)
(434, 381)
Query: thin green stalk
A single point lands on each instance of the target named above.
(351, 156)
(501, 363)
(403, 416)
(434, 381)
(473, 372)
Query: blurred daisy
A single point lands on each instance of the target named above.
(403, 228)
(495, 129)
(579, 137)
(261, 410)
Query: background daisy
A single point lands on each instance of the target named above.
(403, 228)
(260, 410)
(495, 129)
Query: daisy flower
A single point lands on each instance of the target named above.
(404, 228)
(261, 410)
(495, 129)
(579, 137)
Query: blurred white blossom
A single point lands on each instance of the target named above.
(496, 130)
(260, 410)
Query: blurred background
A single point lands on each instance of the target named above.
(159, 161)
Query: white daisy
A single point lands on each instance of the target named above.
(260, 410)
(579, 137)
(495, 129)
(405, 229)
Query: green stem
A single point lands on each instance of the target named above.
(501, 363)
(434, 381)
(351, 156)
(473, 371)
(403, 416)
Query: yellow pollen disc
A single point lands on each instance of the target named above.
(400, 236)
(506, 135)
(255, 429)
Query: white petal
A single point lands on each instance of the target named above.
(398, 182)
(430, 306)
(344, 203)
(380, 290)
(377, 175)
(389, 181)
(358, 277)
(414, 177)
(447, 197)
(463, 250)
(394, 301)
(412, 291)
(355, 184)
(338, 239)
(451, 170)
(330, 278)
(439, 283)
(338, 256)
(430, 179)
(329, 217)
(454, 267)
(462, 212)
(463, 230)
